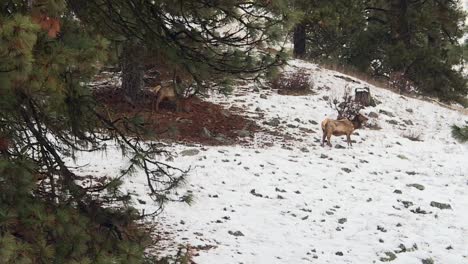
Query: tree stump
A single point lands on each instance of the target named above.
(362, 96)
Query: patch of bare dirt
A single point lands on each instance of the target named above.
(199, 122)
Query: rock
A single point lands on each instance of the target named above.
(411, 172)
(243, 133)
(323, 156)
(255, 194)
(304, 149)
(427, 261)
(326, 97)
(338, 146)
(297, 120)
(258, 109)
(417, 186)
(346, 170)
(291, 126)
(313, 122)
(392, 122)
(397, 191)
(409, 110)
(255, 89)
(339, 253)
(236, 233)
(342, 220)
(263, 96)
(407, 204)
(387, 113)
(441, 206)
(390, 256)
(189, 152)
(225, 113)
(373, 115)
(419, 211)
(274, 122)
(206, 133)
(408, 122)
(381, 229)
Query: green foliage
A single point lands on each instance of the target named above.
(417, 38)
(460, 133)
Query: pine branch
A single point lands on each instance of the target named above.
(460, 133)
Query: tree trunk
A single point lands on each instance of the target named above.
(132, 70)
(299, 40)
(400, 26)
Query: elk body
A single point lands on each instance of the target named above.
(341, 127)
(165, 93)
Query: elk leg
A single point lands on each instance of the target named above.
(328, 139)
(323, 138)
(348, 139)
(158, 101)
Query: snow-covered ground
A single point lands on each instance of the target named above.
(292, 201)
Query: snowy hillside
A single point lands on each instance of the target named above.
(286, 199)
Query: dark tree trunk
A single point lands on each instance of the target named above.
(132, 70)
(299, 40)
(400, 26)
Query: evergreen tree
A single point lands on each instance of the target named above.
(47, 114)
(49, 50)
(414, 40)
(208, 40)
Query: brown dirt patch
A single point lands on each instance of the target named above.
(191, 125)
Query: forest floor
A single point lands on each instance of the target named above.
(267, 192)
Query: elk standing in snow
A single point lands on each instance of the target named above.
(341, 127)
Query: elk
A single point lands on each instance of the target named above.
(341, 127)
(167, 92)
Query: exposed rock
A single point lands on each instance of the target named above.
(427, 261)
(263, 96)
(339, 253)
(390, 256)
(346, 170)
(304, 149)
(243, 133)
(189, 152)
(387, 113)
(274, 122)
(373, 115)
(326, 97)
(392, 122)
(338, 146)
(397, 191)
(417, 186)
(419, 211)
(255, 194)
(323, 156)
(236, 233)
(409, 110)
(441, 206)
(408, 122)
(206, 133)
(313, 122)
(342, 220)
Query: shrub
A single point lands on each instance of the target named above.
(296, 83)
(347, 107)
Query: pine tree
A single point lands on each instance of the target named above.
(208, 40)
(414, 40)
(46, 115)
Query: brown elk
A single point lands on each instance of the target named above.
(341, 127)
(167, 93)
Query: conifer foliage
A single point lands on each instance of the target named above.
(47, 213)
